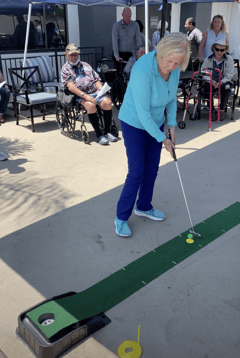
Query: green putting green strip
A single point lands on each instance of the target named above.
(112, 290)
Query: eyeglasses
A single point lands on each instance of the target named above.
(219, 49)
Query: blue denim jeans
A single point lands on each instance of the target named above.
(143, 153)
(5, 94)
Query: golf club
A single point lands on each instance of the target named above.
(175, 159)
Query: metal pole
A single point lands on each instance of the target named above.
(163, 18)
(44, 25)
(27, 33)
(146, 27)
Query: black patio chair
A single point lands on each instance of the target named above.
(29, 93)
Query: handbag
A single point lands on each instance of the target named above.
(65, 96)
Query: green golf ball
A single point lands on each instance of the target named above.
(190, 236)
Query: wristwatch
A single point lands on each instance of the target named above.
(82, 94)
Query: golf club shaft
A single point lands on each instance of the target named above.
(180, 179)
(184, 195)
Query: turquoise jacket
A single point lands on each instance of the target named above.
(148, 95)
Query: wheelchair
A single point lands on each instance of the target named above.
(68, 115)
(118, 89)
(116, 80)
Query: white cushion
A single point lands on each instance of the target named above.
(38, 98)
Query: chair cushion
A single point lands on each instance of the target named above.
(51, 87)
(45, 67)
(38, 98)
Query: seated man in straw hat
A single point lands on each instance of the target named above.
(219, 59)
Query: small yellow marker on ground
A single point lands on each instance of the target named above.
(130, 349)
(190, 239)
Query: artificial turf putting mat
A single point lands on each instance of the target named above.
(112, 290)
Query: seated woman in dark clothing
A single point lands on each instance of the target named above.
(18, 38)
(219, 59)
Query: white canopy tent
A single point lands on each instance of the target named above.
(94, 3)
(146, 3)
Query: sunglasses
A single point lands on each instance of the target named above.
(219, 49)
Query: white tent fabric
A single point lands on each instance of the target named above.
(5, 3)
(89, 3)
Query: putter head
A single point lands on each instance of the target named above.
(194, 233)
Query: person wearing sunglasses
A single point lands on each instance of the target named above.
(219, 59)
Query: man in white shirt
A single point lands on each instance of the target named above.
(194, 35)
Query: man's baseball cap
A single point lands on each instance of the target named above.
(71, 48)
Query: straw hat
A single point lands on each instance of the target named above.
(221, 43)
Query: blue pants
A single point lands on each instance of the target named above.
(5, 94)
(143, 153)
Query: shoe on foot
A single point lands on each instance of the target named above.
(3, 156)
(2, 120)
(152, 214)
(122, 228)
(102, 140)
(111, 137)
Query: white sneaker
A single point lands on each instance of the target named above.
(152, 214)
(3, 156)
(111, 137)
(102, 140)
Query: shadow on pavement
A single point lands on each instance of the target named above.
(77, 247)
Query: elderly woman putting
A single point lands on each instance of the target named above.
(151, 90)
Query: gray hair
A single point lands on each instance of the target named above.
(159, 25)
(175, 44)
(140, 48)
(192, 21)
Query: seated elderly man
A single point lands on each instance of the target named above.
(4, 98)
(219, 59)
(82, 80)
(139, 53)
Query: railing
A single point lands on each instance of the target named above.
(8, 60)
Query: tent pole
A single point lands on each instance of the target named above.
(44, 25)
(146, 27)
(27, 33)
(163, 18)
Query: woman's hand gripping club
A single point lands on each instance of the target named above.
(169, 143)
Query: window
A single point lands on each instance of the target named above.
(47, 31)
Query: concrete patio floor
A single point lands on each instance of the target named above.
(58, 201)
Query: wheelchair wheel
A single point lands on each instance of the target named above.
(118, 91)
(193, 117)
(182, 125)
(85, 135)
(114, 129)
(65, 120)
